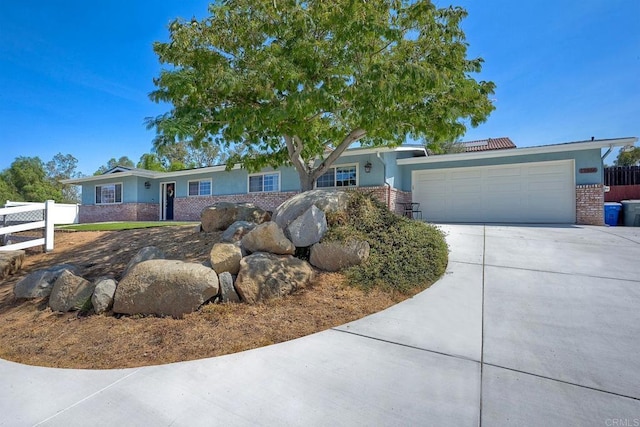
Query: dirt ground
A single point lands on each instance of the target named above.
(31, 333)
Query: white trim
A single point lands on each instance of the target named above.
(263, 174)
(374, 150)
(199, 181)
(220, 168)
(525, 151)
(114, 195)
(340, 165)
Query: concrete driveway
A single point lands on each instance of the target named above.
(531, 325)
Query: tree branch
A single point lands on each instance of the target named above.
(353, 136)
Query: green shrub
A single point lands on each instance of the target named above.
(405, 254)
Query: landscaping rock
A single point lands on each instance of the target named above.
(225, 257)
(221, 215)
(227, 291)
(268, 237)
(102, 298)
(145, 254)
(39, 283)
(237, 230)
(10, 262)
(70, 292)
(325, 200)
(334, 256)
(263, 276)
(165, 288)
(308, 228)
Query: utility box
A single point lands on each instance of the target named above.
(631, 213)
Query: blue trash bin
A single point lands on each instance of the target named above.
(611, 212)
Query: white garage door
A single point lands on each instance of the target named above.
(522, 193)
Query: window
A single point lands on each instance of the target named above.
(200, 188)
(108, 194)
(339, 176)
(264, 182)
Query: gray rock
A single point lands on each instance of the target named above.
(263, 276)
(102, 298)
(227, 291)
(144, 254)
(221, 215)
(308, 228)
(70, 292)
(39, 283)
(325, 200)
(237, 230)
(334, 256)
(225, 257)
(268, 237)
(165, 288)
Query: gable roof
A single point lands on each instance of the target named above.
(501, 143)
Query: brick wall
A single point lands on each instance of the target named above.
(189, 208)
(590, 204)
(118, 212)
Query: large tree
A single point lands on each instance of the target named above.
(630, 156)
(290, 81)
(64, 167)
(27, 181)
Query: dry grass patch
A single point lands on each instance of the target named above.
(31, 333)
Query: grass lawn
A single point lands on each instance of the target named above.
(121, 225)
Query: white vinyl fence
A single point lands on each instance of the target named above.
(25, 217)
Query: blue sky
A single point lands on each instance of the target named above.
(74, 75)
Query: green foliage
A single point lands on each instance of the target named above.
(284, 81)
(28, 179)
(628, 157)
(64, 167)
(27, 176)
(405, 254)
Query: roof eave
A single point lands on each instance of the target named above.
(543, 149)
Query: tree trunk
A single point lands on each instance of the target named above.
(306, 180)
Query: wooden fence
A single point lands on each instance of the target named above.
(28, 217)
(622, 175)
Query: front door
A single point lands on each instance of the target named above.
(168, 190)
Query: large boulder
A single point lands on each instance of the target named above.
(70, 292)
(39, 283)
(325, 200)
(308, 228)
(102, 298)
(268, 237)
(10, 262)
(263, 276)
(221, 215)
(227, 291)
(334, 256)
(165, 288)
(145, 254)
(237, 230)
(225, 257)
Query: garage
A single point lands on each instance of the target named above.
(541, 192)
